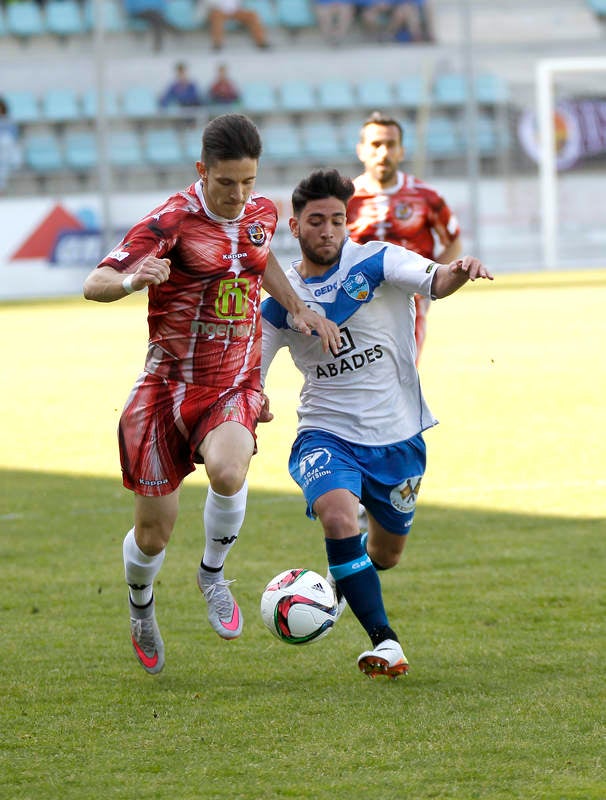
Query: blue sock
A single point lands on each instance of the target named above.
(356, 577)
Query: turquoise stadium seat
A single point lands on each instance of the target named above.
(491, 89)
(43, 153)
(124, 149)
(112, 16)
(281, 142)
(23, 106)
(162, 147)
(375, 93)
(64, 18)
(451, 90)
(598, 7)
(139, 102)
(297, 96)
(258, 97)
(320, 140)
(183, 15)
(443, 140)
(192, 145)
(25, 19)
(81, 153)
(410, 92)
(60, 105)
(336, 95)
(90, 103)
(265, 10)
(296, 15)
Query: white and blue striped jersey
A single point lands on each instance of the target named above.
(369, 392)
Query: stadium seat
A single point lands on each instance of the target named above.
(23, 107)
(182, 15)
(25, 19)
(281, 142)
(598, 7)
(295, 15)
(81, 152)
(258, 97)
(410, 92)
(112, 16)
(162, 147)
(64, 18)
(43, 153)
(375, 93)
(491, 89)
(320, 140)
(192, 145)
(297, 97)
(124, 149)
(60, 105)
(450, 90)
(266, 11)
(335, 94)
(443, 139)
(139, 102)
(90, 103)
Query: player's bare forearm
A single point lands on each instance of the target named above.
(450, 252)
(105, 284)
(448, 278)
(304, 319)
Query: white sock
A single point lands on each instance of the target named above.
(140, 570)
(223, 518)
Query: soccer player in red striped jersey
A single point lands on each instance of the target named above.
(392, 206)
(203, 255)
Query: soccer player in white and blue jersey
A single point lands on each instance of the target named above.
(362, 411)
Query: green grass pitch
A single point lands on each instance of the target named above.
(499, 599)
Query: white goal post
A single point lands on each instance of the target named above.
(546, 71)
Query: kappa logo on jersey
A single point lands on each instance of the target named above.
(403, 211)
(232, 298)
(404, 497)
(256, 234)
(357, 286)
(314, 465)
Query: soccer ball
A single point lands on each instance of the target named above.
(299, 606)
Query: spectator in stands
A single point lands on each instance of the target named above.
(385, 20)
(223, 89)
(183, 91)
(334, 19)
(10, 151)
(221, 11)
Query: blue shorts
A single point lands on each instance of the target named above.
(386, 479)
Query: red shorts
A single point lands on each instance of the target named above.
(164, 422)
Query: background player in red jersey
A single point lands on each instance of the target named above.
(203, 256)
(392, 206)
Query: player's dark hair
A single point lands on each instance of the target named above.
(320, 184)
(379, 118)
(230, 137)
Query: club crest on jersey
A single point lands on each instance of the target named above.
(357, 286)
(403, 211)
(256, 234)
(404, 497)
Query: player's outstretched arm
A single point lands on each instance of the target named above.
(304, 319)
(450, 277)
(105, 284)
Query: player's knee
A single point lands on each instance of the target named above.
(152, 536)
(338, 523)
